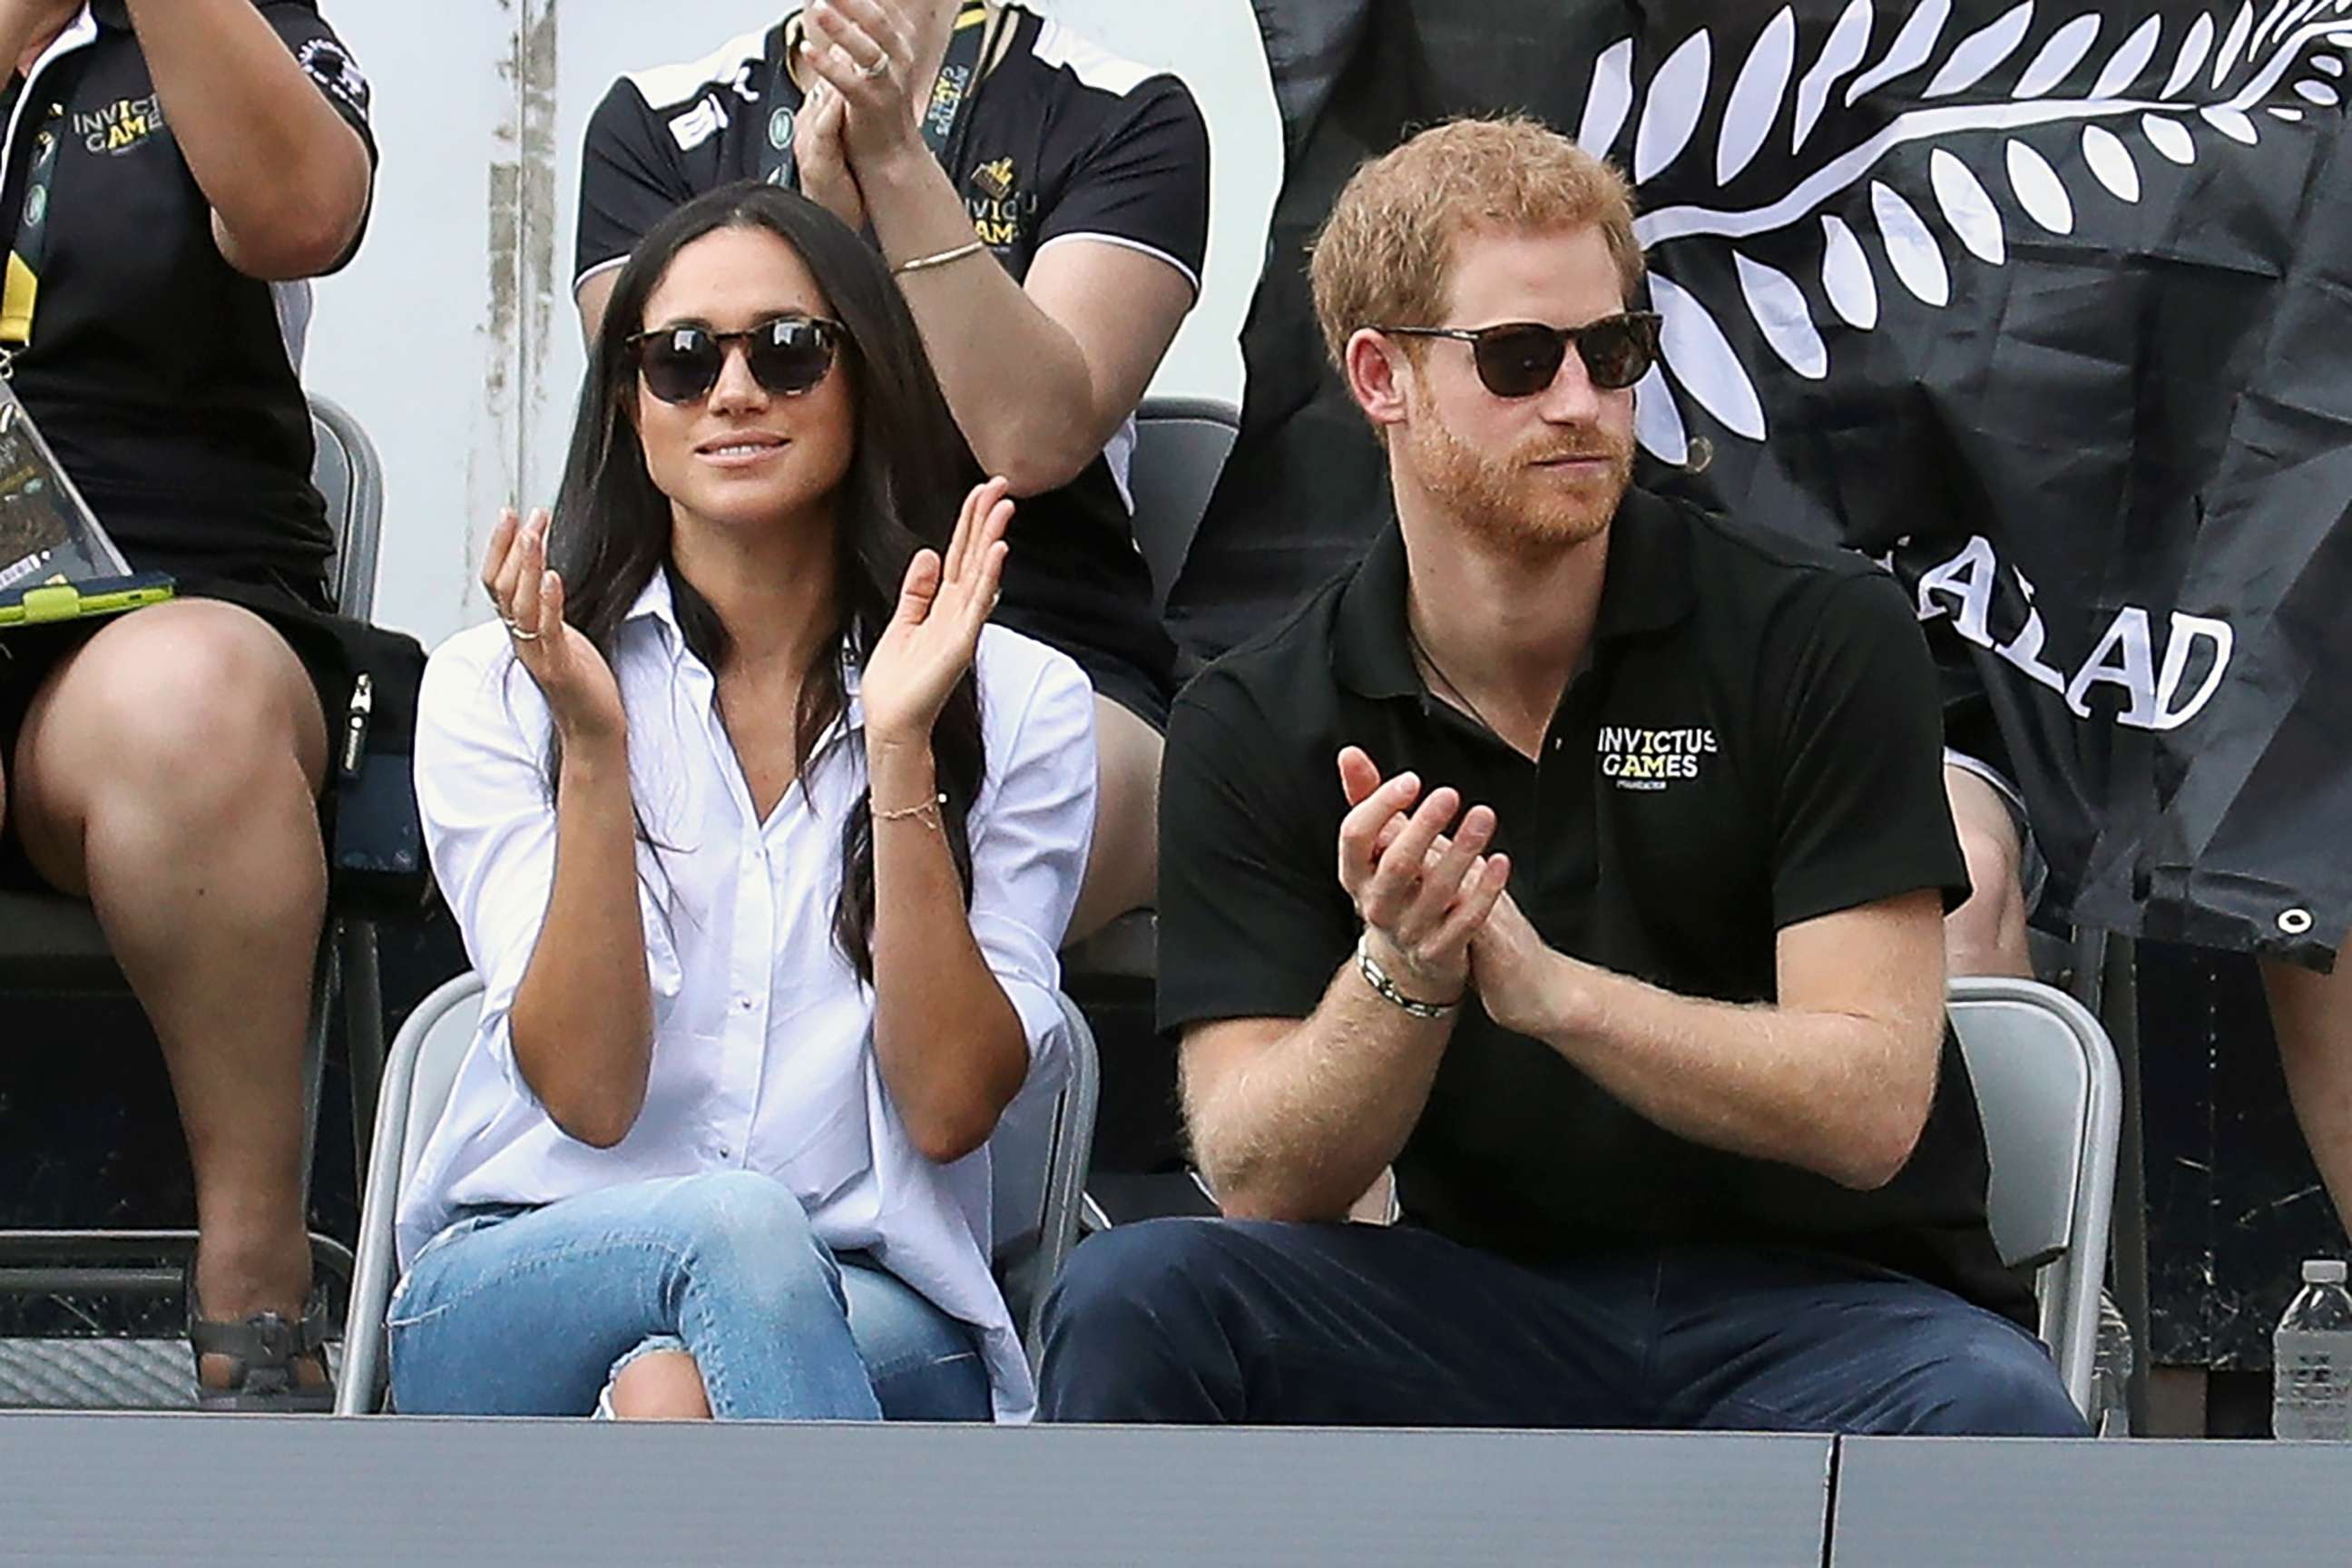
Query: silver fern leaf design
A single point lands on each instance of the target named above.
(1677, 95)
(2222, 69)
(1755, 96)
(1848, 42)
(1981, 53)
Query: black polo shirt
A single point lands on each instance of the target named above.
(1752, 743)
(1059, 140)
(168, 380)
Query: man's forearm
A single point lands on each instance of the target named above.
(1301, 1131)
(1833, 1093)
(1016, 379)
(285, 176)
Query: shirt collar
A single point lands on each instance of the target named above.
(655, 604)
(1647, 588)
(112, 14)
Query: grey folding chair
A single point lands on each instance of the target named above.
(1181, 446)
(351, 477)
(1039, 1155)
(51, 946)
(2052, 1099)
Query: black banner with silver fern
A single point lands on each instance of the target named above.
(2047, 302)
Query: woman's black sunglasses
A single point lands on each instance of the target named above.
(1518, 359)
(787, 356)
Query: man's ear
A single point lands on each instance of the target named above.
(1377, 372)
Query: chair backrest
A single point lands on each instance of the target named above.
(446, 1035)
(351, 477)
(1037, 1159)
(1181, 446)
(2051, 1097)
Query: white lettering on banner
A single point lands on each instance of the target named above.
(2124, 655)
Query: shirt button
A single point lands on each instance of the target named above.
(1560, 743)
(744, 1004)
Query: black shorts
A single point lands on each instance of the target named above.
(297, 612)
(1124, 684)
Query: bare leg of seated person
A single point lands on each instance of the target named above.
(168, 772)
(662, 1385)
(2312, 1014)
(1123, 871)
(1987, 935)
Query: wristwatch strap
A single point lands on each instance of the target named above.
(1378, 979)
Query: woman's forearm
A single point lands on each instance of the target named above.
(983, 331)
(287, 177)
(582, 1022)
(950, 1044)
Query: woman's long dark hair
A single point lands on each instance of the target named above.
(908, 474)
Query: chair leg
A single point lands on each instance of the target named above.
(325, 980)
(2119, 1013)
(363, 1039)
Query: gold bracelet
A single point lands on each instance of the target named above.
(929, 811)
(940, 259)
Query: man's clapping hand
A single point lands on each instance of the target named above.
(1418, 874)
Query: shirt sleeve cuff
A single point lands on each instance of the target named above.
(1042, 1025)
(496, 1036)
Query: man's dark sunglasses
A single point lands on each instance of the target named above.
(787, 356)
(1518, 359)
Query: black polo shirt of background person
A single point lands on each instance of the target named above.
(1060, 141)
(168, 382)
(1752, 743)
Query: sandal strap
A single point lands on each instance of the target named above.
(262, 1349)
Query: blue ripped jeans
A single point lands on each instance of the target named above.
(530, 1312)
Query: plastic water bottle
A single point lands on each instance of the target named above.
(2311, 1360)
(2111, 1370)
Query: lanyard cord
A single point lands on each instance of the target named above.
(30, 250)
(952, 91)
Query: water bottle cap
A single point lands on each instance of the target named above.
(2324, 1271)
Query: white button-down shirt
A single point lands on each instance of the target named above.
(764, 1052)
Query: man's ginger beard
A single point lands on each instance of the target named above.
(1510, 505)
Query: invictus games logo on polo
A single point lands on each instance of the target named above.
(121, 126)
(1652, 759)
(999, 210)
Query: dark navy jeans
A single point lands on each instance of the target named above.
(1209, 1321)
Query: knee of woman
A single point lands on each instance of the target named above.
(746, 1224)
(666, 1385)
(198, 707)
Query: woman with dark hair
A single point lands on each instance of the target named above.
(1045, 207)
(763, 844)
